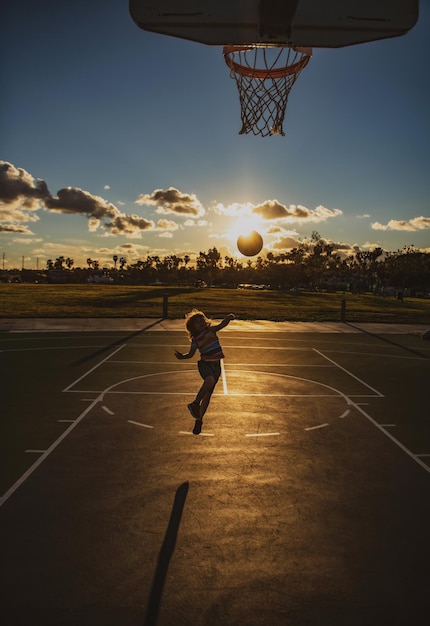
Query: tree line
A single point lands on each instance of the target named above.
(314, 265)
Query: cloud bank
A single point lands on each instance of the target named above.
(273, 210)
(172, 200)
(21, 196)
(24, 199)
(417, 223)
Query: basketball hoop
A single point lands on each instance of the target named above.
(264, 76)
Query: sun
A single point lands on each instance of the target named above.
(243, 227)
(244, 235)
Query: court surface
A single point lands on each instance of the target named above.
(305, 500)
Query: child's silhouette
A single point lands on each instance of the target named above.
(203, 336)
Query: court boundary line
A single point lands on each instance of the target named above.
(237, 395)
(337, 392)
(380, 427)
(45, 454)
(29, 471)
(230, 363)
(92, 369)
(378, 393)
(100, 395)
(398, 443)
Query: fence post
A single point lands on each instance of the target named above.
(343, 310)
(165, 305)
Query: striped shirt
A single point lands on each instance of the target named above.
(208, 344)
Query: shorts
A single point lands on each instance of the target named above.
(209, 368)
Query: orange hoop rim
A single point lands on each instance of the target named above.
(278, 72)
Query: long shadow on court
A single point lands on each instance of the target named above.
(115, 344)
(389, 341)
(165, 555)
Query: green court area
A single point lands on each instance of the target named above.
(304, 500)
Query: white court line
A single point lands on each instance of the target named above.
(267, 348)
(381, 355)
(413, 456)
(378, 393)
(66, 421)
(41, 348)
(186, 432)
(316, 427)
(285, 365)
(338, 393)
(231, 363)
(423, 455)
(107, 410)
(45, 454)
(262, 434)
(93, 368)
(374, 422)
(224, 380)
(388, 425)
(245, 346)
(139, 424)
(238, 395)
(344, 414)
(36, 451)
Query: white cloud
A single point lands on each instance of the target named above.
(273, 210)
(15, 228)
(412, 225)
(21, 195)
(164, 224)
(27, 240)
(172, 200)
(235, 209)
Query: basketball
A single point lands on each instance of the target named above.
(250, 245)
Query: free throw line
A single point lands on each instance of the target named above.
(224, 379)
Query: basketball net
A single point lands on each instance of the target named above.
(264, 76)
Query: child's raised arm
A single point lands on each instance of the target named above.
(230, 317)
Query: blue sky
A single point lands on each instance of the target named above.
(119, 141)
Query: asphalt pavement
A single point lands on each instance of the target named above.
(135, 324)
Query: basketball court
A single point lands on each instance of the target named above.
(305, 499)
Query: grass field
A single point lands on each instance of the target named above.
(83, 301)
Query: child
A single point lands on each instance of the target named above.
(204, 338)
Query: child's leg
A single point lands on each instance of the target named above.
(205, 389)
(205, 403)
(199, 406)
(210, 374)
